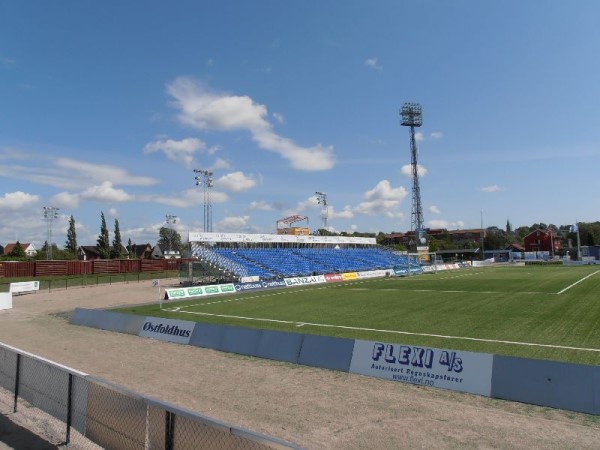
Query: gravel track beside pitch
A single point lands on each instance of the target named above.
(314, 408)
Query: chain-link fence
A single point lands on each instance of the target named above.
(79, 411)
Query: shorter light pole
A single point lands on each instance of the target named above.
(205, 179)
(171, 220)
(50, 213)
(322, 200)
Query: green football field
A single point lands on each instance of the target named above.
(527, 311)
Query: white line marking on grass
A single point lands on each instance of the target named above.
(577, 282)
(441, 336)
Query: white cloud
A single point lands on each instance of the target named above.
(260, 206)
(420, 136)
(221, 163)
(204, 109)
(95, 173)
(382, 199)
(311, 202)
(17, 200)
(279, 117)
(105, 192)
(189, 197)
(373, 63)
(434, 209)
(345, 213)
(235, 224)
(446, 224)
(492, 188)
(178, 151)
(236, 182)
(406, 170)
(112, 212)
(66, 200)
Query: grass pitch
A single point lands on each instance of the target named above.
(527, 311)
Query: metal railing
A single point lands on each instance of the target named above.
(82, 411)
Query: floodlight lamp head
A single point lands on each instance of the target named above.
(412, 115)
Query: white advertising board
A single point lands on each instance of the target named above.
(25, 286)
(300, 281)
(199, 291)
(5, 300)
(178, 331)
(447, 369)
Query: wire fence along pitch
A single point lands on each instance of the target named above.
(107, 415)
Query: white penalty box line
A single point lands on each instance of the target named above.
(408, 333)
(578, 281)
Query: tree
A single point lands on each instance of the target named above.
(17, 251)
(130, 252)
(117, 244)
(103, 243)
(71, 244)
(169, 238)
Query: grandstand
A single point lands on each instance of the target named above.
(252, 257)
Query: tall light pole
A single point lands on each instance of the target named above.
(412, 116)
(50, 213)
(171, 220)
(322, 200)
(205, 179)
(482, 237)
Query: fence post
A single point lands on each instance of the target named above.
(169, 430)
(69, 409)
(17, 376)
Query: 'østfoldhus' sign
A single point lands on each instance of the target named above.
(447, 369)
(178, 331)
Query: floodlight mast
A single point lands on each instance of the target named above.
(171, 220)
(322, 200)
(412, 116)
(205, 179)
(50, 213)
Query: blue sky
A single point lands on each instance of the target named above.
(109, 106)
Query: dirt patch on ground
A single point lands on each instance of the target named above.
(311, 407)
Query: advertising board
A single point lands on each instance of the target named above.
(178, 331)
(24, 286)
(5, 300)
(447, 369)
(199, 291)
(300, 281)
(251, 286)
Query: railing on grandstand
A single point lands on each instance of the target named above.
(86, 412)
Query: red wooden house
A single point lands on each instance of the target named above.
(542, 241)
